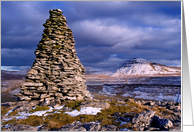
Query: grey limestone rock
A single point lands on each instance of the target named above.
(163, 124)
(142, 120)
(57, 72)
(92, 126)
(72, 127)
(109, 128)
(21, 127)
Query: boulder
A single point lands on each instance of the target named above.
(163, 124)
(72, 127)
(144, 117)
(92, 126)
(21, 127)
(109, 128)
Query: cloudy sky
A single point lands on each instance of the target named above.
(106, 33)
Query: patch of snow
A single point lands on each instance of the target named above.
(10, 111)
(24, 114)
(84, 110)
(40, 113)
(59, 107)
(73, 113)
(7, 125)
(125, 129)
(38, 127)
(7, 119)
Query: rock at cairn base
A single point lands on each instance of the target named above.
(56, 73)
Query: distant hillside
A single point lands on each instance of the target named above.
(137, 66)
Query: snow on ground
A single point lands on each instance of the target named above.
(40, 113)
(84, 110)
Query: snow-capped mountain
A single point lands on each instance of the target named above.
(137, 66)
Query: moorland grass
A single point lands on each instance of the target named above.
(31, 120)
(105, 117)
(56, 120)
(73, 104)
(39, 108)
(13, 113)
(4, 110)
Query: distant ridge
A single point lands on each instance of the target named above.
(136, 66)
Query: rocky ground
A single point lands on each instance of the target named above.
(112, 113)
(115, 115)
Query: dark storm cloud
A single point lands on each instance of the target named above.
(106, 33)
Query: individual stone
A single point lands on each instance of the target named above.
(163, 124)
(143, 119)
(56, 72)
(71, 127)
(33, 84)
(109, 128)
(43, 128)
(92, 126)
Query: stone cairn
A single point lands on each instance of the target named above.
(56, 73)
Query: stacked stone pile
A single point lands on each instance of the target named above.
(56, 73)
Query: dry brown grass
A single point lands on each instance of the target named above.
(108, 97)
(73, 104)
(9, 122)
(39, 108)
(56, 120)
(134, 129)
(3, 129)
(162, 111)
(4, 110)
(31, 120)
(13, 113)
